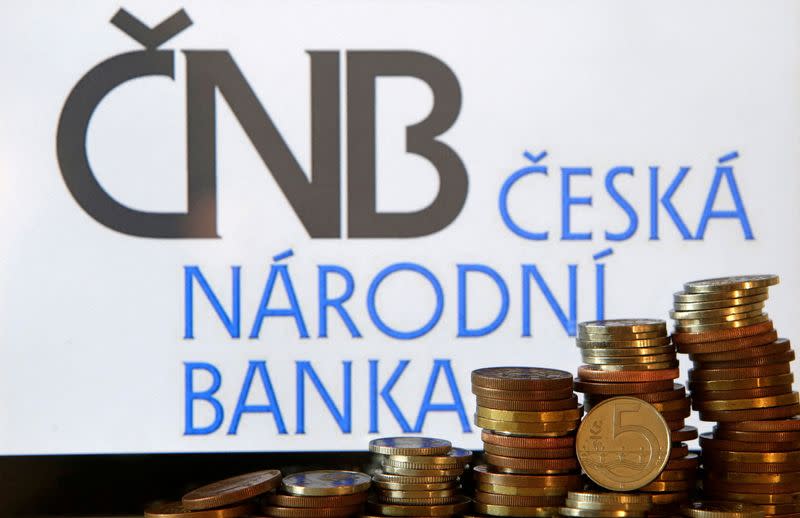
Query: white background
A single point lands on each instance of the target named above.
(91, 321)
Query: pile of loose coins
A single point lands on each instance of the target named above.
(636, 358)
(323, 493)
(591, 504)
(742, 380)
(419, 476)
(529, 416)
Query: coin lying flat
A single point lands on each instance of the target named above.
(521, 378)
(326, 483)
(623, 443)
(232, 490)
(178, 510)
(410, 446)
(727, 284)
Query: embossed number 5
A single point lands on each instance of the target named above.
(619, 429)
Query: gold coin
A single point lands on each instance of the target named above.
(409, 446)
(717, 320)
(458, 507)
(639, 366)
(627, 351)
(701, 328)
(519, 428)
(741, 404)
(710, 509)
(414, 472)
(514, 510)
(629, 360)
(727, 284)
(418, 486)
(623, 443)
(741, 383)
(758, 498)
(753, 456)
(683, 297)
(552, 416)
(609, 498)
(411, 494)
(522, 491)
(719, 304)
(594, 513)
(419, 501)
(619, 336)
(178, 510)
(597, 506)
(661, 341)
(716, 313)
(326, 482)
(456, 457)
(755, 478)
(623, 326)
(390, 478)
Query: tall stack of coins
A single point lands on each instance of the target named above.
(635, 357)
(529, 416)
(229, 498)
(591, 504)
(742, 380)
(319, 494)
(419, 476)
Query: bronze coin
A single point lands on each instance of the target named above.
(517, 501)
(716, 485)
(178, 510)
(677, 393)
(274, 511)
(622, 389)
(738, 373)
(484, 475)
(771, 359)
(776, 436)
(752, 414)
(779, 345)
(232, 490)
(778, 425)
(689, 462)
(711, 463)
(743, 383)
(687, 433)
(285, 500)
(678, 451)
(734, 344)
(676, 415)
(722, 334)
(526, 395)
(527, 406)
(589, 373)
(521, 378)
(530, 453)
(501, 461)
(715, 395)
(511, 441)
(711, 442)
(676, 425)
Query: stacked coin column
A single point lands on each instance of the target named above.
(635, 357)
(419, 476)
(741, 380)
(529, 417)
(319, 494)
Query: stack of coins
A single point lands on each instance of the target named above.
(229, 498)
(720, 510)
(529, 416)
(635, 357)
(591, 504)
(315, 494)
(742, 380)
(419, 476)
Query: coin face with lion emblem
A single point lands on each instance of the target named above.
(623, 443)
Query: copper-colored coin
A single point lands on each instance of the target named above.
(676, 394)
(528, 406)
(530, 453)
(764, 436)
(733, 344)
(687, 433)
(741, 384)
(527, 491)
(782, 425)
(669, 476)
(676, 425)
(622, 389)
(770, 359)
(678, 451)
(521, 378)
(690, 462)
(527, 442)
(315, 512)
(780, 509)
(743, 404)
(712, 395)
(484, 475)
(673, 405)
(715, 485)
(664, 499)
(755, 478)
(721, 334)
(232, 490)
(720, 510)
(711, 464)
(501, 461)
(524, 395)
(752, 456)
(284, 500)
(614, 428)
(707, 440)
(384, 509)
(178, 510)
(518, 500)
(737, 373)
(777, 346)
(588, 373)
(675, 415)
(753, 498)
(604, 362)
(754, 414)
(672, 485)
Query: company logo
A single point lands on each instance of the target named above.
(316, 201)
